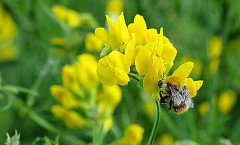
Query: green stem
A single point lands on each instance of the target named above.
(31, 98)
(155, 126)
(135, 76)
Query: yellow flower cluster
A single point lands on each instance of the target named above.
(137, 50)
(133, 135)
(8, 29)
(80, 92)
(71, 17)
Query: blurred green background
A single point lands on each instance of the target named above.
(206, 32)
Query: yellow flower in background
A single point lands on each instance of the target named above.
(213, 66)
(165, 139)
(203, 108)
(114, 7)
(71, 17)
(69, 78)
(8, 26)
(108, 98)
(58, 41)
(64, 96)
(149, 109)
(93, 43)
(226, 101)
(71, 118)
(214, 50)
(8, 29)
(133, 135)
(113, 69)
(86, 71)
(214, 47)
(8, 51)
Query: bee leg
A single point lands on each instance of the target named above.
(162, 99)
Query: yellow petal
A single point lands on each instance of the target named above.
(122, 28)
(121, 77)
(119, 60)
(168, 53)
(93, 43)
(115, 40)
(105, 71)
(139, 27)
(102, 35)
(143, 58)
(198, 84)
(63, 96)
(129, 51)
(154, 75)
(86, 69)
(152, 35)
(183, 71)
(168, 67)
(69, 78)
(159, 47)
(191, 87)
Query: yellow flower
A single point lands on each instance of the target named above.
(117, 35)
(8, 28)
(133, 135)
(71, 118)
(69, 78)
(203, 108)
(226, 101)
(71, 17)
(214, 47)
(213, 66)
(58, 41)
(108, 99)
(63, 96)
(113, 69)
(182, 73)
(86, 71)
(114, 7)
(8, 51)
(149, 109)
(165, 139)
(154, 60)
(93, 43)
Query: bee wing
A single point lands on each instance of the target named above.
(188, 100)
(177, 97)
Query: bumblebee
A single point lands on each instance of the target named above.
(175, 94)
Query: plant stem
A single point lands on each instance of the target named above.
(135, 76)
(155, 126)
